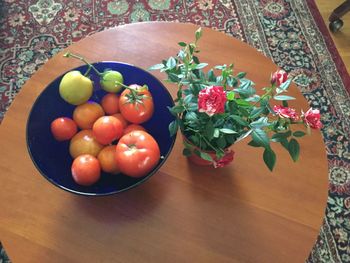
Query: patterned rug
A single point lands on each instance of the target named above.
(291, 32)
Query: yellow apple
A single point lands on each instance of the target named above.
(75, 88)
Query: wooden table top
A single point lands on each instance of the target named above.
(184, 213)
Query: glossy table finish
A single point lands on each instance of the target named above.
(184, 213)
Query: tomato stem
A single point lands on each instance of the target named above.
(91, 66)
(69, 54)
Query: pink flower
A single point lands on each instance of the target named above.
(212, 100)
(312, 118)
(225, 160)
(279, 77)
(285, 112)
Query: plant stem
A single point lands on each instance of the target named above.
(68, 54)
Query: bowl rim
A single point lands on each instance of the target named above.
(142, 179)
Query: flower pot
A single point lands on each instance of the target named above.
(194, 158)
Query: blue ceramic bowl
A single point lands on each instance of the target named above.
(52, 158)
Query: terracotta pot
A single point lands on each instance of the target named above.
(194, 158)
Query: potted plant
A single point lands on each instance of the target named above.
(216, 108)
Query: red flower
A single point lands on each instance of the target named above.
(285, 112)
(312, 118)
(225, 160)
(279, 77)
(211, 100)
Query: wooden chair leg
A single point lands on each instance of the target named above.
(335, 23)
(340, 11)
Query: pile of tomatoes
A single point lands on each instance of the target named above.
(108, 136)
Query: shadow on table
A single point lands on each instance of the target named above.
(133, 204)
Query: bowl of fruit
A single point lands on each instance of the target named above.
(100, 128)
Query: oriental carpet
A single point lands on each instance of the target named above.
(290, 32)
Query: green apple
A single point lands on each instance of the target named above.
(112, 81)
(75, 88)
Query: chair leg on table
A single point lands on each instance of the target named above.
(335, 22)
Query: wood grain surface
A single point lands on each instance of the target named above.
(184, 213)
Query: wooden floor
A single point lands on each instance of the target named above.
(342, 37)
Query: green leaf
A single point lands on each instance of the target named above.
(284, 143)
(230, 138)
(181, 54)
(299, 134)
(219, 67)
(256, 112)
(221, 142)
(211, 76)
(230, 95)
(285, 103)
(244, 103)
(182, 44)
(192, 107)
(294, 149)
(173, 77)
(260, 123)
(239, 120)
(177, 109)
(254, 98)
(278, 137)
(198, 34)
(195, 59)
(171, 63)
(203, 155)
(254, 144)
(261, 138)
(269, 158)
(201, 65)
(216, 133)
(241, 75)
(209, 130)
(191, 116)
(173, 126)
(232, 82)
(186, 152)
(156, 67)
(284, 86)
(283, 97)
(206, 156)
(227, 131)
(188, 98)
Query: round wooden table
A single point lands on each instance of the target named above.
(184, 213)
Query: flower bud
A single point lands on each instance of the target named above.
(279, 77)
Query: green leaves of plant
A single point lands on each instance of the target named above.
(283, 97)
(294, 149)
(269, 157)
(173, 127)
(198, 34)
(260, 137)
(171, 63)
(156, 67)
(299, 134)
(227, 131)
(201, 65)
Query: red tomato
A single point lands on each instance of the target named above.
(107, 129)
(133, 127)
(107, 161)
(136, 104)
(63, 128)
(86, 170)
(120, 117)
(110, 103)
(137, 153)
(86, 114)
